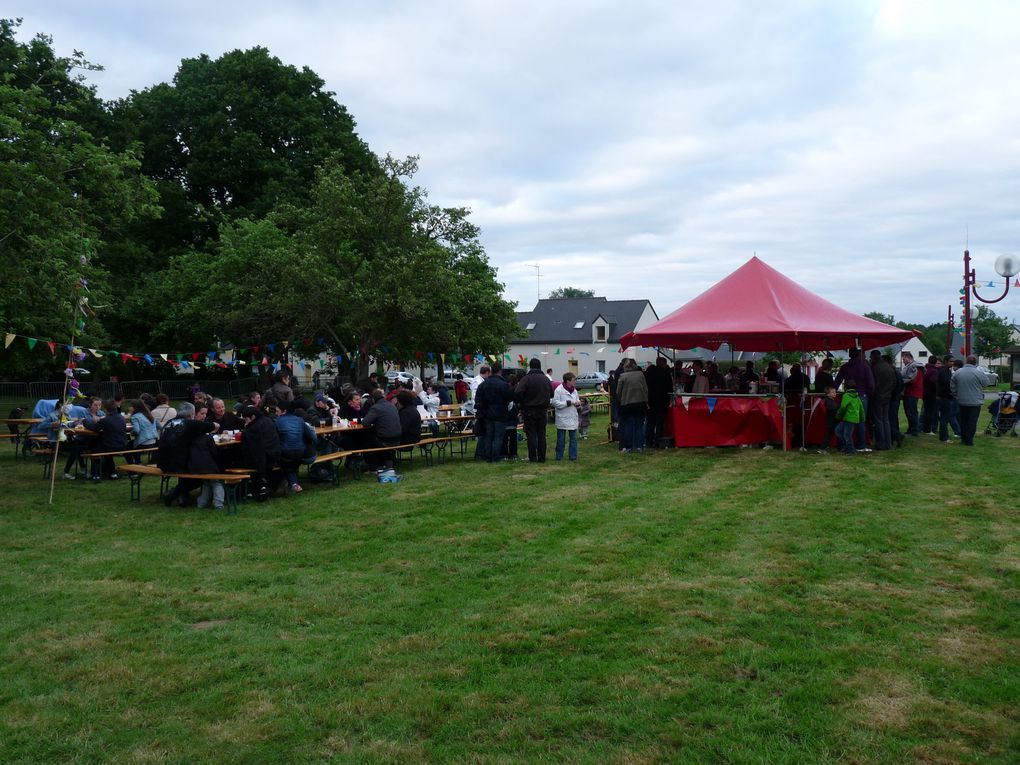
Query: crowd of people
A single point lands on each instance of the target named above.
(276, 427)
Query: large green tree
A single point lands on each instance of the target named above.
(63, 195)
(367, 265)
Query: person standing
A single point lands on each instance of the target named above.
(659, 380)
(894, 403)
(632, 391)
(534, 394)
(492, 403)
(879, 409)
(823, 377)
(857, 369)
(930, 413)
(968, 387)
(566, 402)
(944, 399)
(913, 391)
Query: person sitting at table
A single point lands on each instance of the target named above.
(149, 400)
(226, 420)
(203, 458)
(260, 448)
(174, 449)
(201, 399)
(747, 377)
(323, 410)
(409, 416)
(113, 437)
(297, 443)
(442, 392)
(83, 442)
(429, 398)
(350, 409)
(143, 429)
(163, 412)
(383, 429)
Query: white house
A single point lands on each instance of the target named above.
(581, 334)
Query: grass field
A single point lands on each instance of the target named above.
(699, 606)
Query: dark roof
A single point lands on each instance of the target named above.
(555, 318)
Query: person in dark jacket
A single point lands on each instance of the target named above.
(382, 423)
(533, 394)
(823, 377)
(203, 458)
(174, 454)
(944, 401)
(878, 411)
(894, 404)
(260, 448)
(112, 430)
(492, 403)
(660, 384)
(929, 412)
(410, 418)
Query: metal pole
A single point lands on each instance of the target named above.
(949, 329)
(968, 281)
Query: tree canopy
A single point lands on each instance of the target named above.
(235, 204)
(571, 292)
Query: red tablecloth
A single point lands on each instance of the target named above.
(724, 421)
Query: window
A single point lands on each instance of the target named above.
(922, 354)
(600, 366)
(600, 333)
(578, 324)
(531, 326)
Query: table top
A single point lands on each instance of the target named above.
(325, 430)
(22, 421)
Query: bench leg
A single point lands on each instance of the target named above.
(164, 485)
(135, 481)
(334, 472)
(230, 495)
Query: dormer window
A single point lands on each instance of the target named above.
(578, 325)
(600, 333)
(531, 326)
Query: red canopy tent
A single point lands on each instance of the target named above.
(756, 308)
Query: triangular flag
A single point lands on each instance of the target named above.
(571, 350)
(1016, 283)
(601, 349)
(184, 363)
(31, 343)
(271, 347)
(557, 351)
(585, 353)
(163, 356)
(506, 356)
(124, 358)
(991, 284)
(443, 357)
(53, 348)
(95, 353)
(148, 358)
(8, 339)
(685, 400)
(711, 404)
(322, 364)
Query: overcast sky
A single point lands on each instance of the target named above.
(647, 149)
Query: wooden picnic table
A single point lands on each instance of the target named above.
(21, 420)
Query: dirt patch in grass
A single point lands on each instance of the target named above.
(208, 624)
(969, 646)
(885, 701)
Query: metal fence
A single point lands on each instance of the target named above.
(14, 390)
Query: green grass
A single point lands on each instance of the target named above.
(733, 606)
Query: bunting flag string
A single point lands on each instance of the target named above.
(266, 354)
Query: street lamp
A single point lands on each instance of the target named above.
(1005, 265)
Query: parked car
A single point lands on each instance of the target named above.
(591, 379)
(402, 377)
(452, 375)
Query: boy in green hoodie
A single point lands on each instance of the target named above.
(849, 414)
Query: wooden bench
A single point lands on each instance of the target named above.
(231, 481)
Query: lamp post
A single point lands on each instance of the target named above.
(1005, 265)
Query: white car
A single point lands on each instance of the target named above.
(402, 377)
(591, 379)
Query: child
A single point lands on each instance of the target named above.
(849, 414)
(584, 418)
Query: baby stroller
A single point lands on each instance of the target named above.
(1004, 415)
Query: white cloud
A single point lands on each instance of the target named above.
(647, 149)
